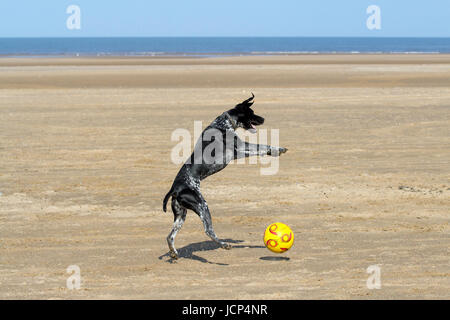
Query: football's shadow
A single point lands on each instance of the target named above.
(271, 258)
(187, 252)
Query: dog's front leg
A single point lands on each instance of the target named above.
(246, 149)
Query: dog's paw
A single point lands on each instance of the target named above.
(226, 246)
(276, 152)
(173, 255)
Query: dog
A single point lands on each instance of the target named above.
(185, 190)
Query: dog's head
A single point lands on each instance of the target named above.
(246, 117)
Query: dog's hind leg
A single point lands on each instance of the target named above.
(193, 200)
(205, 216)
(179, 218)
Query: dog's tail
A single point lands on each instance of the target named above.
(166, 198)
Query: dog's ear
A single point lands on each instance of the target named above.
(246, 103)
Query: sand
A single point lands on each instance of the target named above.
(85, 163)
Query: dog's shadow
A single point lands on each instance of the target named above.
(187, 252)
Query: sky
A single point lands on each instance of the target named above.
(148, 18)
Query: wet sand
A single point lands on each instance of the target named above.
(85, 163)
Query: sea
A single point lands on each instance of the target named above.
(217, 46)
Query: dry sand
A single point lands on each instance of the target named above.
(85, 162)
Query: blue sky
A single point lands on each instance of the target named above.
(47, 18)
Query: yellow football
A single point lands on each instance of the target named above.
(278, 237)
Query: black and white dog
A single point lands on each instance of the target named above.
(205, 161)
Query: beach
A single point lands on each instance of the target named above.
(85, 162)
